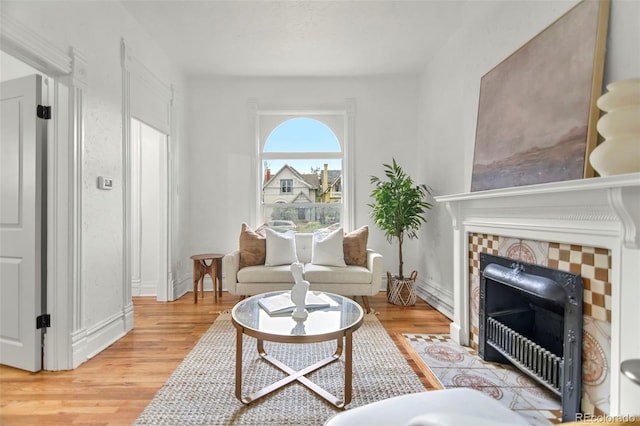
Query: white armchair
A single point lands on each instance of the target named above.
(460, 406)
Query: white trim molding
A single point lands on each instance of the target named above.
(340, 119)
(439, 297)
(598, 212)
(125, 57)
(32, 49)
(349, 160)
(254, 132)
(147, 98)
(68, 69)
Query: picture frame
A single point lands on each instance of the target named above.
(537, 110)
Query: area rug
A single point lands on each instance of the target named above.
(448, 365)
(201, 389)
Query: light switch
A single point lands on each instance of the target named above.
(105, 182)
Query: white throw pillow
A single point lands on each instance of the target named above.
(327, 248)
(280, 247)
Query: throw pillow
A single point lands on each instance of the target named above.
(327, 248)
(355, 247)
(281, 248)
(252, 246)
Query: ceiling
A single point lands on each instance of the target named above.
(298, 38)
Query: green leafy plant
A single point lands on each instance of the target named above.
(399, 206)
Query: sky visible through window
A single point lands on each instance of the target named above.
(302, 135)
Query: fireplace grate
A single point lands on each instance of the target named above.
(525, 354)
(531, 316)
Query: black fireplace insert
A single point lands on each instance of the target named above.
(531, 317)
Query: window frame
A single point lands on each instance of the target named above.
(286, 186)
(264, 121)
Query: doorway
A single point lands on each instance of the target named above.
(149, 205)
(23, 220)
(23, 213)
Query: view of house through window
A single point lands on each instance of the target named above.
(301, 177)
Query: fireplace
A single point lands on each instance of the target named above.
(531, 317)
(577, 221)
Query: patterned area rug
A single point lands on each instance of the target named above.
(201, 390)
(450, 365)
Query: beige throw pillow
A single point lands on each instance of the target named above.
(355, 247)
(253, 246)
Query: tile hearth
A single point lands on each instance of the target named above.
(460, 366)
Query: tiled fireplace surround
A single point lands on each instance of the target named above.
(590, 227)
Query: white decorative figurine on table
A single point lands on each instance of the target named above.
(299, 292)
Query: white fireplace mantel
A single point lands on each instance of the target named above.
(598, 212)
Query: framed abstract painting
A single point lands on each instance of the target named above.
(537, 111)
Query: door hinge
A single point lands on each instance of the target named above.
(44, 112)
(43, 321)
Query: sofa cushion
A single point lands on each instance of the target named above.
(266, 274)
(327, 248)
(355, 247)
(252, 246)
(336, 274)
(281, 248)
(304, 243)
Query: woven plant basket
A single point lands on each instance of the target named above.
(402, 292)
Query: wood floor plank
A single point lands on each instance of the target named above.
(117, 384)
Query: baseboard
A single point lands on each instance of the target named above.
(457, 334)
(135, 287)
(148, 288)
(78, 348)
(182, 286)
(437, 296)
(88, 342)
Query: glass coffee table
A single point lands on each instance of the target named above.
(335, 322)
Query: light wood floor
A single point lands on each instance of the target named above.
(116, 385)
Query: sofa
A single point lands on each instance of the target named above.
(333, 262)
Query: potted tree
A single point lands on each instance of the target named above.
(399, 210)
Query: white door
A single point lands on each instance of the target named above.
(22, 216)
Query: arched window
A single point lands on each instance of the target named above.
(301, 173)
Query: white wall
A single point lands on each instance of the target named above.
(427, 123)
(96, 30)
(449, 91)
(222, 150)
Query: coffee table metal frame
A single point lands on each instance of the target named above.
(344, 343)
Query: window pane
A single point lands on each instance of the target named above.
(302, 135)
(302, 181)
(301, 177)
(286, 186)
(302, 218)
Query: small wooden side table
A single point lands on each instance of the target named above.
(201, 268)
